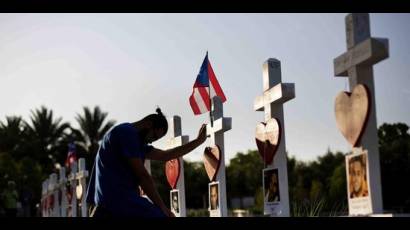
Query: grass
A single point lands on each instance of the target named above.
(317, 208)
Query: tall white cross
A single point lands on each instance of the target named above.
(73, 186)
(63, 193)
(357, 63)
(44, 196)
(271, 102)
(221, 124)
(53, 189)
(177, 139)
(81, 188)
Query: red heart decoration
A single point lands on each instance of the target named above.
(268, 138)
(69, 193)
(51, 201)
(172, 171)
(352, 113)
(212, 161)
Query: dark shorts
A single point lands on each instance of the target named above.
(143, 208)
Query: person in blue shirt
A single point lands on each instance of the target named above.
(119, 170)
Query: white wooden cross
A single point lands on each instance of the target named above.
(177, 139)
(363, 52)
(44, 197)
(73, 185)
(53, 190)
(81, 188)
(62, 185)
(271, 102)
(221, 124)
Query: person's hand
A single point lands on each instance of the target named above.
(202, 134)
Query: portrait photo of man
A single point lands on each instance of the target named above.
(358, 176)
(175, 201)
(214, 195)
(271, 185)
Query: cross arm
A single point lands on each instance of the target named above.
(222, 124)
(368, 52)
(280, 93)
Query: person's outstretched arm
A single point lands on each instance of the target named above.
(166, 155)
(147, 184)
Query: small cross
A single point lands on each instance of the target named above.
(177, 139)
(220, 125)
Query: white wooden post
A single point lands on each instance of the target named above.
(73, 185)
(221, 124)
(81, 188)
(177, 140)
(44, 196)
(62, 187)
(271, 102)
(357, 64)
(53, 191)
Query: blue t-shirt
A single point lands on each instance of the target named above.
(115, 185)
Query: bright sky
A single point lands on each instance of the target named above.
(130, 63)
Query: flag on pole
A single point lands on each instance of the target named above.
(71, 155)
(201, 94)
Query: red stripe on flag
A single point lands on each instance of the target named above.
(215, 83)
(203, 91)
(193, 104)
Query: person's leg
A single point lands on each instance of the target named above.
(144, 208)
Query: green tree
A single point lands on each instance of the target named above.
(394, 146)
(44, 135)
(8, 169)
(11, 133)
(93, 125)
(196, 185)
(244, 174)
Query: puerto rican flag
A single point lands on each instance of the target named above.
(200, 98)
(71, 155)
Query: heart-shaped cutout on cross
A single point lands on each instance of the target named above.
(79, 191)
(50, 201)
(352, 112)
(268, 138)
(212, 161)
(172, 171)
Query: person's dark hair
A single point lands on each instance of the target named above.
(158, 120)
(358, 159)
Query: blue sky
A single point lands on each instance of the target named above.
(130, 63)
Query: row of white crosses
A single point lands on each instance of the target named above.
(56, 201)
(356, 64)
(363, 51)
(216, 133)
